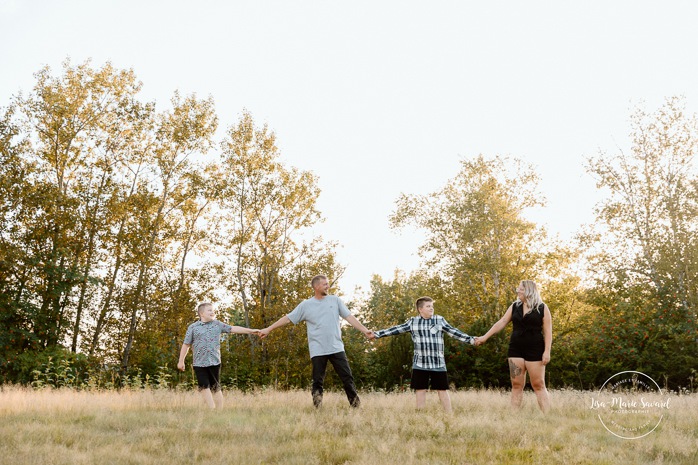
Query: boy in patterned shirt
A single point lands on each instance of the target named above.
(205, 336)
(428, 364)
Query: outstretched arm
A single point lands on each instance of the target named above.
(357, 324)
(393, 330)
(283, 321)
(243, 330)
(182, 355)
(457, 334)
(497, 327)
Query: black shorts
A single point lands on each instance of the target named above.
(209, 377)
(423, 379)
(531, 351)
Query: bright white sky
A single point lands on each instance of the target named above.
(379, 98)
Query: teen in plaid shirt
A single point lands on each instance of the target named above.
(428, 364)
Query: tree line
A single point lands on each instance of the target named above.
(117, 218)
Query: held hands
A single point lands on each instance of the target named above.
(263, 333)
(370, 335)
(479, 340)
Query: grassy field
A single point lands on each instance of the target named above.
(269, 427)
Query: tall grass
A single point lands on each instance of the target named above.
(271, 427)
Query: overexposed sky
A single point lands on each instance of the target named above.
(379, 98)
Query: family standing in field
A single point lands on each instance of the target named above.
(529, 346)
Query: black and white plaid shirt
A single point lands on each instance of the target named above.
(427, 335)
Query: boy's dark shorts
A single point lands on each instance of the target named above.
(422, 379)
(209, 377)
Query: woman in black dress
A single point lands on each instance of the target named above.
(529, 347)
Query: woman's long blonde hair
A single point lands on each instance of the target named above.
(532, 295)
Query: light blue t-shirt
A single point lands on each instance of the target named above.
(322, 319)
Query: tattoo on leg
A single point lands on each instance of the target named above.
(514, 369)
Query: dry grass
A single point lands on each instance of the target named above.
(156, 427)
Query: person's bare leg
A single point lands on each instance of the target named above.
(445, 399)
(536, 373)
(517, 372)
(218, 398)
(421, 398)
(208, 397)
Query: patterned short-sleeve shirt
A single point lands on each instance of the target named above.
(205, 339)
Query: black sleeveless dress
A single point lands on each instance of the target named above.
(527, 340)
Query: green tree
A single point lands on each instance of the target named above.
(179, 134)
(65, 125)
(479, 246)
(643, 247)
(100, 198)
(477, 238)
(112, 216)
(265, 203)
(265, 208)
(15, 309)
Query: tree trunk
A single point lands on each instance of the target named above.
(141, 280)
(117, 267)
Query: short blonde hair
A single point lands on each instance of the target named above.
(317, 278)
(200, 308)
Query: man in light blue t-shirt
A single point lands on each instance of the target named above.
(321, 314)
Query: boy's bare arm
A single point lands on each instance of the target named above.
(243, 330)
(182, 355)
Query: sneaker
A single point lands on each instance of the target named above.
(317, 400)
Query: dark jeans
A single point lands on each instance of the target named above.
(341, 367)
